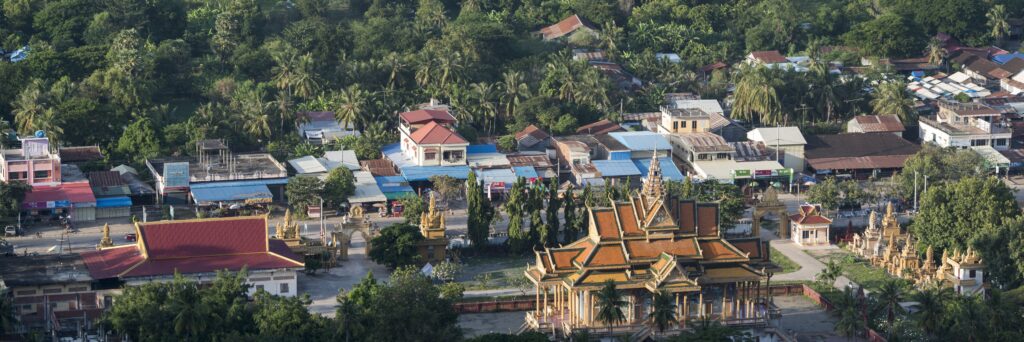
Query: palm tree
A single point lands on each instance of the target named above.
(610, 36)
(395, 65)
(305, 80)
(29, 107)
(997, 22)
(284, 70)
(514, 90)
(936, 52)
(889, 296)
(891, 98)
(966, 315)
(663, 312)
(610, 303)
(484, 109)
(755, 95)
(931, 305)
(833, 270)
(283, 107)
(851, 321)
(351, 104)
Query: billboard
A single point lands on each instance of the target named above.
(36, 147)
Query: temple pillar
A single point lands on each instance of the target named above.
(700, 310)
(536, 309)
(545, 312)
(686, 307)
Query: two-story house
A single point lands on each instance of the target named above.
(32, 162)
(964, 125)
(428, 138)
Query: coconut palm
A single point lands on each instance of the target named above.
(305, 80)
(514, 90)
(827, 87)
(997, 22)
(663, 312)
(833, 270)
(610, 303)
(283, 108)
(350, 104)
(936, 52)
(484, 108)
(888, 297)
(755, 97)
(966, 316)
(610, 36)
(284, 70)
(891, 98)
(851, 320)
(29, 107)
(931, 306)
(395, 65)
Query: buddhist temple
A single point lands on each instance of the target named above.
(893, 249)
(808, 227)
(432, 226)
(649, 244)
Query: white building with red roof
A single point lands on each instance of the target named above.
(198, 249)
(808, 227)
(429, 139)
(570, 26)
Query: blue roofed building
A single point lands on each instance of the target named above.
(643, 144)
(669, 171)
(393, 187)
(616, 171)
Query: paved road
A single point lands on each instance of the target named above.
(809, 266)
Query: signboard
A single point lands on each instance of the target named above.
(47, 205)
(176, 175)
(784, 172)
(763, 173)
(498, 185)
(36, 147)
(741, 173)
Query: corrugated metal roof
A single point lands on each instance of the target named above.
(616, 168)
(393, 187)
(491, 176)
(272, 181)
(335, 159)
(481, 148)
(525, 172)
(211, 195)
(306, 165)
(669, 170)
(366, 190)
(642, 141)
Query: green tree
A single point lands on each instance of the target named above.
(891, 98)
(479, 210)
(7, 318)
(832, 271)
(410, 298)
(412, 208)
(351, 105)
(609, 305)
(554, 205)
(573, 219)
(939, 165)
(445, 186)
(950, 217)
(139, 142)
(396, 246)
(756, 97)
(663, 311)
(826, 193)
(11, 196)
(889, 35)
(302, 192)
(518, 238)
(339, 185)
(888, 297)
(931, 306)
(848, 308)
(997, 22)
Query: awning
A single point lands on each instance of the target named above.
(525, 172)
(61, 196)
(113, 202)
(366, 189)
(241, 193)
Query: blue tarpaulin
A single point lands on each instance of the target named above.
(113, 202)
(669, 171)
(243, 193)
(616, 168)
(393, 187)
(423, 173)
(619, 155)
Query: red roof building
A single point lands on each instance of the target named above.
(809, 227)
(424, 116)
(433, 133)
(600, 127)
(567, 26)
(766, 57)
(199, 248)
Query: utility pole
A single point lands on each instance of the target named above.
(915, 191)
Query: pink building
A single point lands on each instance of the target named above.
(33, 163)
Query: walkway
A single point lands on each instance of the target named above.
(809, 266)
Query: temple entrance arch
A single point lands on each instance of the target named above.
(355, 223)
(769, 204)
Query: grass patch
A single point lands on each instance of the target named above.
(491, 272)
(859, 271)
(788, 266)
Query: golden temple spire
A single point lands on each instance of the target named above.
(889, 209)
(652, 184)
(106, 241)
(928, 255)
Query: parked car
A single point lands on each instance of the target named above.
(130, 237)
(11, 231)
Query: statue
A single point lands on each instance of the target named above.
(356, 212)
(106, 241)
(288, 228)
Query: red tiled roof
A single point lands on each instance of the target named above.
(80, 154)
(426, 115)
(642, 249)
(713, 66)
(707, 220)
(433, 133)
(606, 225)
(379, 167)
(607, 255)
(769, 57)
(193, 246)
(715, 250)
(564, 27)
(809, 214)
(628, 218)
(316, 116)
(533, 131)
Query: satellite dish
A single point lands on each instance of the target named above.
(40, 134)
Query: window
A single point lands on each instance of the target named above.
(430, 156)
(17, 175)
(284, 288)
(979, 142)
(27, 307)
(452, 156)
(1000, 142)
(693, 124)
(675, 125)
(259, 287)
(974, 273)
(683, 124)
(41, 174)
(56, 290)
(807, 234)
